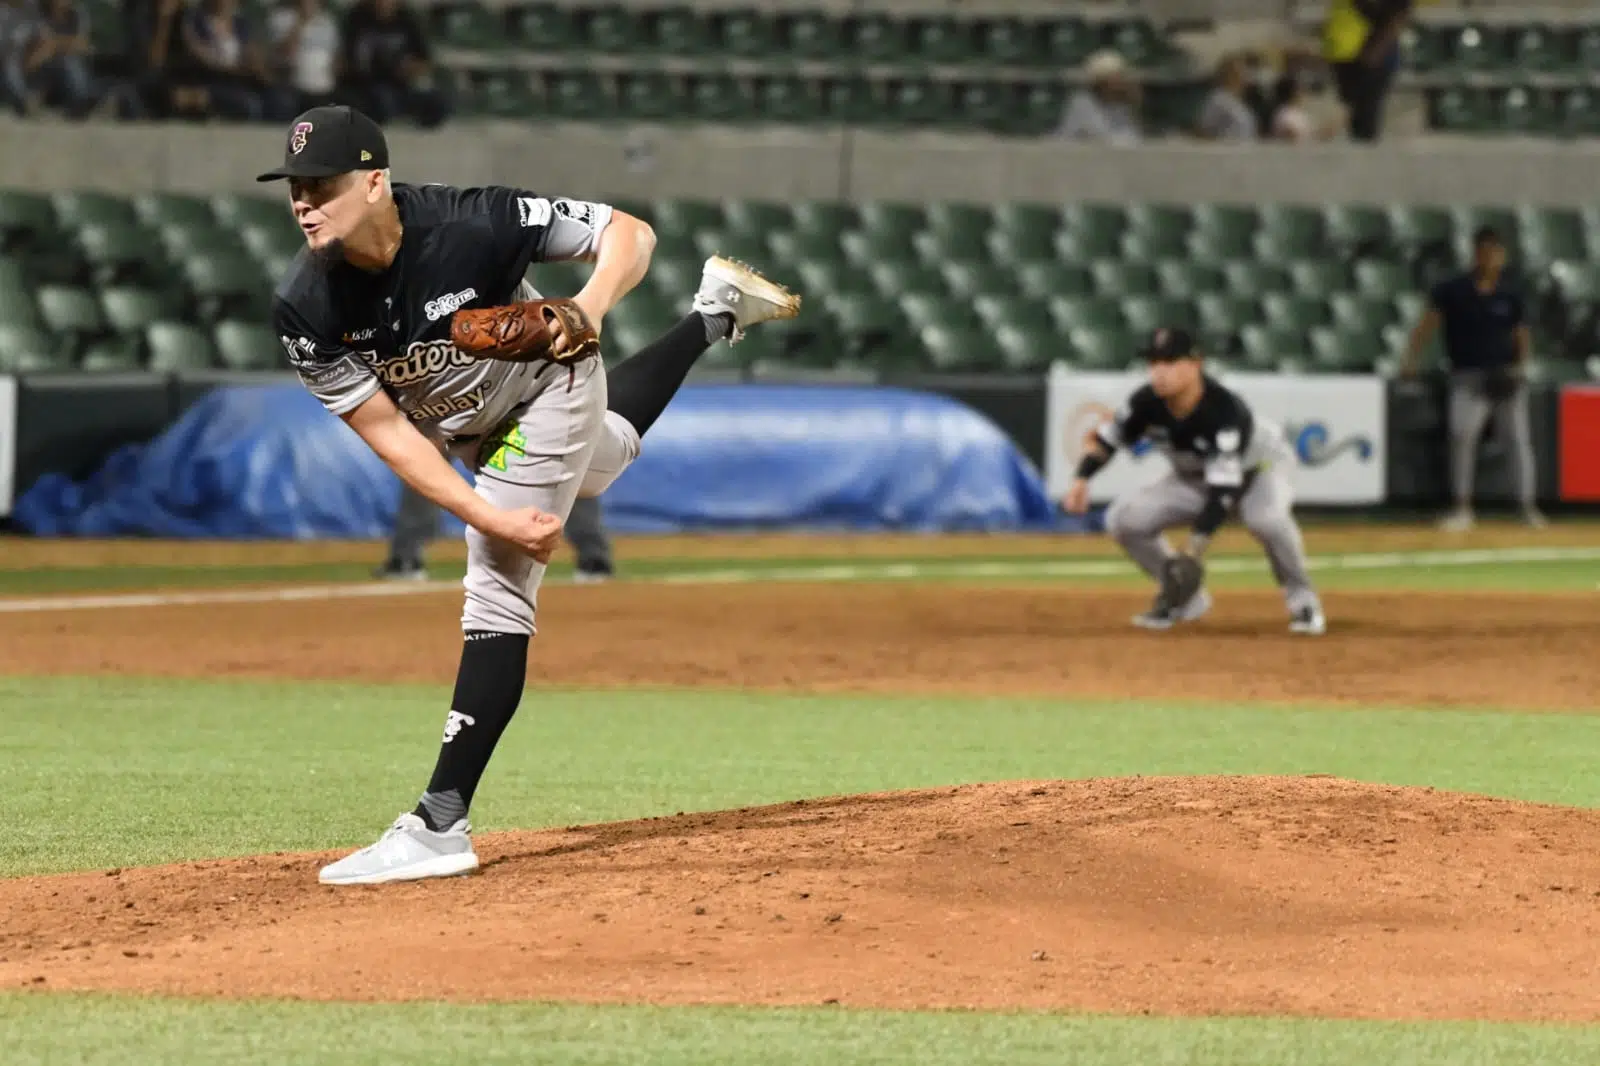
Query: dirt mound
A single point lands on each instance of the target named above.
(1191, 895)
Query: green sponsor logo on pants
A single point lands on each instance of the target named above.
(509, 440)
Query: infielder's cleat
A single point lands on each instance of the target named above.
(1458, 521)
(1161, 616)
(407, 851)
(1308, 621)
(728, 287)
(401, 570)
(1534, 518)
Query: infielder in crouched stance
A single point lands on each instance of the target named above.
(407, 315)
(1222, 460)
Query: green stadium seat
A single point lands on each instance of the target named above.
(1020, 246)
(1461, 110)
(1068, 42)
(1096, 228)
(1113, 277)
(968, 279)
(1163, 224)
(1552, 234)
(1046, 278)
(1299, 229)
(1353, 225)
(181, 241)
(1024, 349)
(1146, 314)
(794, 245)
(1187, 277)
(1418, 225)
(879, 216)
(1521, 110)
(853, 101)
(118, 355)
(1038, 108)
(1138, 41)
(26, 219)
(245, 212)
(1008, 42)
(951, 349)
(1150, 248)
(1293, 311)
(1246, 277)
(686, 216)
(500, 93)
(269, 243)
(1225, 313)
(826, 217)
(820, 278)
(1220, 246)
(720, 98)
(178, 346)
(1586, 48)
(1344, 351)
(1319, 277)
(919, 102)
(1409, 307)
(810, 35)
(953, 216)
(1099, 349)
(545, 29)
(1265, 347)
(1425, 48)
(1476, 47)
(1380, 278)
(998, 309)
(896, 277)
(610, 29)
(1353, 312)
(248, 346)
(761, 218)
(941, 246)
(1234, 223)
(746, 33)
(942, 40)
(1020, 218)
(789, 99)
(78, 209)
(865, 247)
(1578, 111)
(577, 94)
(746, 247)
(867, 324)
(158, 210)
(71, 313)
(19, 308)
(227, 286)
(466, 25)
(1577, 281)
(1068, 313)
(651, 96)
(25, 348)
(1541, 48)
(877, 38)
(677, 31)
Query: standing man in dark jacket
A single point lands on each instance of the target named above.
(1487, 344)
(388, 63)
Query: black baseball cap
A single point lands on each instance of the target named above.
(327, 141)
(1167, 344)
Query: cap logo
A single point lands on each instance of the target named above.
(365, 155)
(1161, 337)
(297, 139)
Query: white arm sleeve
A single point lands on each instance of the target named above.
(574, 229)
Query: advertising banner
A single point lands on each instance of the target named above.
(1335, 423)
(1580, 443)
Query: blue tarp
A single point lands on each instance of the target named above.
(270, 462)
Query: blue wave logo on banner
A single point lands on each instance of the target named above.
(1314, 445)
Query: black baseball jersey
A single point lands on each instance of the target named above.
(349, 332)
(1218, 442)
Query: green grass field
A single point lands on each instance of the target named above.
(123, 771)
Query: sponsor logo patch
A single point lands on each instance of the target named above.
(440, 306)
(533, 211)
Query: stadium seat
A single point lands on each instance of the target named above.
(577, 94)
(1008, 42)
(248, 346)
(756, 217)
(677, 31)
(1001, 309)
(866, 323)
(227, 286)
(950, 348)
(797, 245)
(1068, 41)
(967, 279)
(876, 37)
(1097, 313)
(1046, 278)
(720, 98)
(1476, 47)
(745, 33)
(1100, 349)
(1521, 110)
(896, 277)
(1185, 277)
(121, 252)
(1218, 314)
(118, 355)
(942, 246)
(178, 346)
(1247, 277)
(158, 210)
(1265, 347)
(1162, 227)
(466, 24)
(1318, 277)
(1541, 48)
(651, 96)
(938, 39)
(182, 241)
(542, 28)
(1353, 312)
(26, 220)
(1095, 229)
(500, 93)
(1461, 110)
(809, 35)
(1114, 277)
(1025, 349)
(1015, 247)
(130, 311)
(18, 306)
(1344, 351)
(78, 209)
(1293, 311)
(243, 212)
(1146, 314)
(1350, 226)
(610, 29)
(869, 246)
(72, 314)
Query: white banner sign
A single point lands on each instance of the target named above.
(8, 441)
(1334, 423)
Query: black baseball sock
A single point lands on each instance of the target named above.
(643, 384)
(488, 689)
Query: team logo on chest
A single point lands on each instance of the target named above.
(440, 306)
(423, 360)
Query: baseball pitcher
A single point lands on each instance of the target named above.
(1223, 462)
(408, 315)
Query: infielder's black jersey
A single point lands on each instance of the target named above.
(350, 332)
(1217, 442)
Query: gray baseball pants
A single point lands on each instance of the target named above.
(1139, 520)
(417, 524)
(562, 444)
(1470, 410)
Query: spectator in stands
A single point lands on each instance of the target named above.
(1487, 344)
(57, 63)
(388, 64)
(1361, 41)
(1292, 117)
(1226, 116)
(1107, 108)
(17, 27)
(224, 52)
(305, 40)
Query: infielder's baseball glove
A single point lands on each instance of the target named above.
(556, 331)
(1181, 577)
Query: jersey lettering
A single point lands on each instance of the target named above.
(423, 360)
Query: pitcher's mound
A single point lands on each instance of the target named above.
(1187, 895)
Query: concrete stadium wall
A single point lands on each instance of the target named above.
(671, 161)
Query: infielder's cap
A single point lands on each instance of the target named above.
(1166, 343)
(327, 141)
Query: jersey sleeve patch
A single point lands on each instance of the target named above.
(335, 376)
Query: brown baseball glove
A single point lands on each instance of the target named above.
(556, 331)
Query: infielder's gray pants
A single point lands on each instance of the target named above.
(564, 444)
(1139, 520)
(1469, 413)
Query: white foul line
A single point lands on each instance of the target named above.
(901, 571)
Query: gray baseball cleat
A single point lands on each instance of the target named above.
(1308, 621)
(407, 851)
(728, 287)
(1162, 616)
